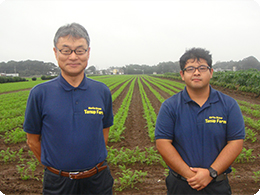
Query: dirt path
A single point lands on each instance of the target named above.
(136, 133)
(16, 91)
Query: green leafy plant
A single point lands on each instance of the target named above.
(28, 169)
(127, 156)
(233, 171)
(128, 178)
(250, 134)
(166, 172)
(15, 136)
(20, 152)
(256, 176)
(7, 155)
(245, 156)
(23, 172)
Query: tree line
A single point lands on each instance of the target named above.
(29, 68)
(32, 68)
(174, 67)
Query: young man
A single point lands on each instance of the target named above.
(67, 121)
(199, 131)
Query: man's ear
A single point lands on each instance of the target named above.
(211, 72)
(55, 52)
(182, 75)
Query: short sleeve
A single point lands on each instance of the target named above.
(32, 119)
(235, 125)
(165, 123)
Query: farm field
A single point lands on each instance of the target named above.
(133, 159)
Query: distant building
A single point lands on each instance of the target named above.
(218, 70)
(121, 71)
(115, 71)
(10, 75)
(221, 70)
(52, 73)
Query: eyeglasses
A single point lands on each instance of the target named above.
(78, 51)
(192, 69)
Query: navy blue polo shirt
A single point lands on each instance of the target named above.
(200, 133)
(70, 121)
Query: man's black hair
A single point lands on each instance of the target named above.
(195, 53)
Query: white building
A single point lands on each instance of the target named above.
(10, 75)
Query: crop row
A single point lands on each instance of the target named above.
(126, 156)
(149, 113)
(12, 107)
(119, 91)
(160, 86)
(8, 87)
(112, 81)
(174, 86)
(157, 95)
(242, 80)
(119, 119)
(13, 104)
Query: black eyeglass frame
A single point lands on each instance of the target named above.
(194, 68)
(71, 51)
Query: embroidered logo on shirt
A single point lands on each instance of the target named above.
(93, 110)
(215, 119)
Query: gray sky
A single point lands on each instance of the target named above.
(132, 32)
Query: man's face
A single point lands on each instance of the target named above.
(198, 79)
(71, 65)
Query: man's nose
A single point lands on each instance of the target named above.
(73, 55)
(196, 71)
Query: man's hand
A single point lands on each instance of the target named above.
(172, 158)
(200, 180)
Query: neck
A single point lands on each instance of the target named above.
(199, 96)
(73, 80)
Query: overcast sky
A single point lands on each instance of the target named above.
(132, 32)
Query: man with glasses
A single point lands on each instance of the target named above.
(199, 131)
(67, 121)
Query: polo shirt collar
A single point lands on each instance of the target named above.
(67, 87)
(213, 96)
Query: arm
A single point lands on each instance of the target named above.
(105, 133)
(222, 162)
(228, 155)
(173, 158)
(34, 142)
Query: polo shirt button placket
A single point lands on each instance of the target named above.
(76, 100)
